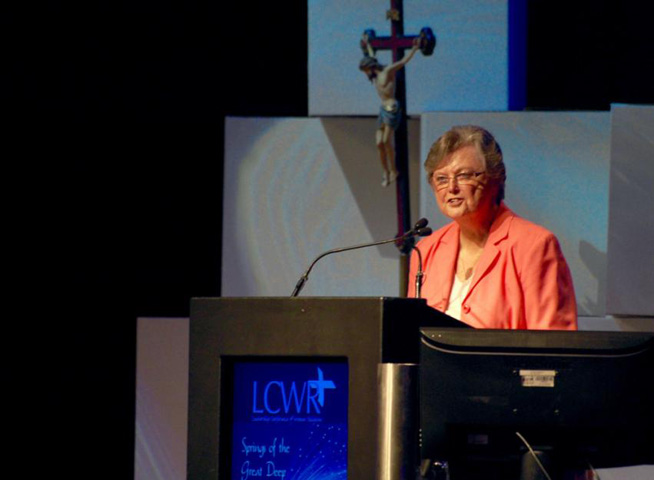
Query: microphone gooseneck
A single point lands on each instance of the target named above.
(419, 274)
(420, 229)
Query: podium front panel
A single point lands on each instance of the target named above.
(289, 358)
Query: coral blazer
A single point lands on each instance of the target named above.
(521, 281)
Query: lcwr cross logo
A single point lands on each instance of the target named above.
(278, 397)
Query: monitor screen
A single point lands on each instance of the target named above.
(580, 400)
(288, 418)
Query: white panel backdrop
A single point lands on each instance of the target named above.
(295, 188)
(631, 220)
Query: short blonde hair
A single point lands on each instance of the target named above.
(462, 136)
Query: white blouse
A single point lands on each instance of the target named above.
(458, 293)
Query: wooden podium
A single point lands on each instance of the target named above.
(364, 331)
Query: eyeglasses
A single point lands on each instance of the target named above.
(462, 178)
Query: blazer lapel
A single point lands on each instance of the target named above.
(499, 231)
(448, 251)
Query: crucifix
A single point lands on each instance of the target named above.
(391, 87)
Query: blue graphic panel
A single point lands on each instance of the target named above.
(290, 420)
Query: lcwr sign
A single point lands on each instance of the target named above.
(286, 397)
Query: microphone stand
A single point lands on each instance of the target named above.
(419, 274)
(420, 231)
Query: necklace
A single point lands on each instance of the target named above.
(465, 273)
(465, 269)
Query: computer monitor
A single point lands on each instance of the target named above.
(578, 399)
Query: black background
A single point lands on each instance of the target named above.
(114, 115)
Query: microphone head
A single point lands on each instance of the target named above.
(424, 232)
(422, 223)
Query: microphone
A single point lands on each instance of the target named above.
(420, 229)
(422, 223)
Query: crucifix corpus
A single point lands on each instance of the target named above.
(389, 81)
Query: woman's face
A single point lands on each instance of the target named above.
(470, 196)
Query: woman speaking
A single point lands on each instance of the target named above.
(488, 268)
